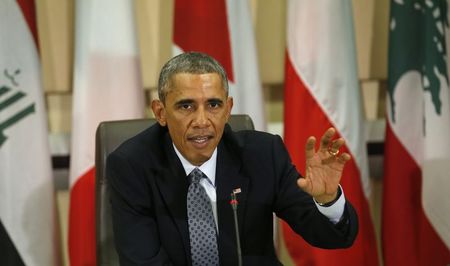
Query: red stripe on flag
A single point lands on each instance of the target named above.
(29, 13)
(201, 25)
(304, 117)
(82, 221)
(408, 237)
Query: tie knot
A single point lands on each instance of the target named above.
(196, 175)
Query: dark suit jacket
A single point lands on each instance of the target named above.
(148, 197)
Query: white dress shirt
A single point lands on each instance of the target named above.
(333, 212)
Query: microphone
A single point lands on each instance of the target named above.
(234, 205)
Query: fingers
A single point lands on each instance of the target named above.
(336, 145)
(309, 148)
(329, 145)
(345, 157)
(326, 139)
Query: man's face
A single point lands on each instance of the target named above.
(195, 111)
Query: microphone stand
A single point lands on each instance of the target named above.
(234, 205)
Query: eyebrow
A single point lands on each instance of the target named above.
(215, 100)
(189, 101)
(184, 101)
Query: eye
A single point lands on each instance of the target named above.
(185, 106)
(215, 104)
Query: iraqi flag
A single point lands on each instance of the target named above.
(223, 29)
(321, 90)
(107, 86)
(416, 186)
(28, 228)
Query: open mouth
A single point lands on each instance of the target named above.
(200, 141)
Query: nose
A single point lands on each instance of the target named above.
(201, 118)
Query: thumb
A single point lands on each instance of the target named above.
(302, 183)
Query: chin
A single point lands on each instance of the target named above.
(203, 158)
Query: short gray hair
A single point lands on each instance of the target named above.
(192, 63)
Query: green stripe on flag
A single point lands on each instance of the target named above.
(14, 119)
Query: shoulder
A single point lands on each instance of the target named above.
(147, 142)
(252, 141)
(261, 155)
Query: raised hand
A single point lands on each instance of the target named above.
(324, 167)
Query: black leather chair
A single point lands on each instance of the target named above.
(109, 136)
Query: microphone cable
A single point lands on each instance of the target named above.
(234, 205)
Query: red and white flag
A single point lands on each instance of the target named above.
(416, 184)
(107, 86)
(223, 29)
(28, 227)
(321, 91)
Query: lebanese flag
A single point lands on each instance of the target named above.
(28, 221)
(416, 204)
(322, 91)
(223, 29)
(107, 86)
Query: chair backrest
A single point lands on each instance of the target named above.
(109, 136)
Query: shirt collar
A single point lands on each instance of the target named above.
(208, 167)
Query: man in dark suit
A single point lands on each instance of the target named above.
(149, 179)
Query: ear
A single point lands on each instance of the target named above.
(159, 112)
(229, 105)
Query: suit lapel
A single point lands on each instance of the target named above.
(228, 178)
(173, 185)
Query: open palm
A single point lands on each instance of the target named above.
(323, 167)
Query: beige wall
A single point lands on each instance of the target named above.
(154, 20)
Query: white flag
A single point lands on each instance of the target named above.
(322, 91)
(107, 86)
(27, 203)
